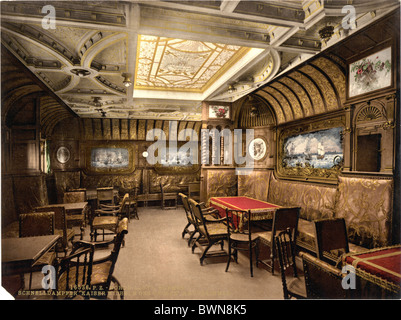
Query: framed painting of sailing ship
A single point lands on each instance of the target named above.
(316, 154)
(113, 159)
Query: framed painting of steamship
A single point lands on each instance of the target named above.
(371, 73)
(117, 158)
(314, 154)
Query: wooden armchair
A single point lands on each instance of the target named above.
(285, 246)
(38, 224)
(168, 197)
(105, 195)
(190, 219)
(60, 224)
(102, 279)
(76, 219)
(208, 212)
(210, 232)
(133, 204)
(240, 236)
(283, 218)
(322, 280)
(331, 240)
(74, 274)
(107, 217)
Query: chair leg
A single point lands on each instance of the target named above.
(229, 257)
(191, 238)
(250, 258)
(196, 240)
(30, 280)
(272, 257)
(185, 231)
(257, 254)
(204, 254)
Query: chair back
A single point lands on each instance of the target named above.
(185, 203)
(124, 202)
(36, 224)
(285, 218)
(239, 221)
(105, 196)
(331, 234)
(74, 272)
(122, 230)
(198, 217)
(194, 190)
(60, 222)
(74, 196)
(322, 280)
(286, 255)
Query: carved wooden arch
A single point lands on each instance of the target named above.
(265, 116)
(370, 111)
(314, 87)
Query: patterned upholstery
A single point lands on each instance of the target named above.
(36, 224)
(214, 229)
(221, 183)
(366, 206)
(316, 201)
(255, 185)
(74, 196)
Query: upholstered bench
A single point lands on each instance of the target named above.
(11, 230)
(366, 204)
(316, 202)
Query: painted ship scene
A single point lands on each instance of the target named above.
(320, 149)
(109, 158)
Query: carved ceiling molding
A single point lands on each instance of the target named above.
(95, 42)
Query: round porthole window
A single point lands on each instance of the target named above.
(63, 155)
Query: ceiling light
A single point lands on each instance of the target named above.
(127, 79)
(80, 72)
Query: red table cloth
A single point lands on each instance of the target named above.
(381, 266)
(261, 210)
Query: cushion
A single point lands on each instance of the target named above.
(214, 229)
(105, 222)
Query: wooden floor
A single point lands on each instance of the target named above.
(157, 264)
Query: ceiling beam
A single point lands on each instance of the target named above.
(229, 5)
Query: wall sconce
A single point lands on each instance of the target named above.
(127, 79)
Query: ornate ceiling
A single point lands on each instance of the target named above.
(180, 53)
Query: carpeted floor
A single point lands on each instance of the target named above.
(157, 264)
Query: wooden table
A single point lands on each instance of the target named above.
(91, 194)
(70, 208)
(74, 211)
(380, 266)
(19, 254)
(261, 210)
